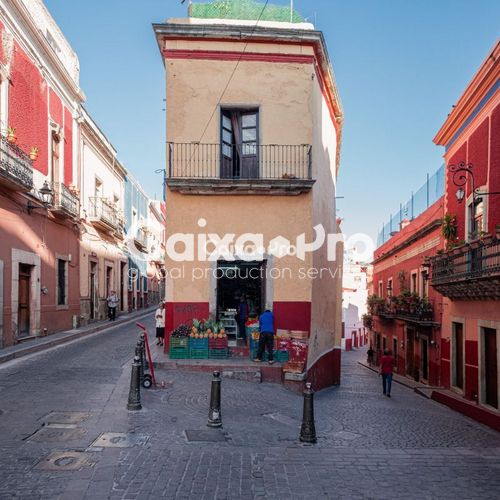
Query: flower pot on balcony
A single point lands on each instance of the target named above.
(34, 152)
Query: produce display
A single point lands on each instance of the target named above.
(181, 331)
(207, 329)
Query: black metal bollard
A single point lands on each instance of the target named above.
(134, 395)
(139, 353)
(214, 413)
(308, 429)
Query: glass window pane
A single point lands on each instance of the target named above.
(249, 134)
(226, 122)
(227, 136)
(227, 151)
(249, 120)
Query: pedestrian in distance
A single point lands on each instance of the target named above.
(242, 316)
(266, 337)
(370, 354)
(385, 370)
(112, 301)
(160, 324)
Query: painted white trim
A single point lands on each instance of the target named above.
(31, 259)
(4, 99)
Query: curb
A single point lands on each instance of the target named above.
(70, 336)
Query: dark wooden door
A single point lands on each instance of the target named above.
(93, 290)
(424, 358)
(491, 366)
(458, 359)
(23, 317)
(410, 344)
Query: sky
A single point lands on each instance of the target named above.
(400, 65)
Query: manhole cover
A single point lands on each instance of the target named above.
(64, 460)
(119, 440)
(205, 435)
(53, 433)
(65, 417)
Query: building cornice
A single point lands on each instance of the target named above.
(484, 79)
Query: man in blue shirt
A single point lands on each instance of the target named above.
(266, 338)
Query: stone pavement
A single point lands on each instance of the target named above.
(369, 446)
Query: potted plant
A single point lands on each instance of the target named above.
(11, 135)
(34, 152)
(449, 229)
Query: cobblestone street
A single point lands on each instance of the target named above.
(368, 446)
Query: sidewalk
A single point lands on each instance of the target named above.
(448, 398)
(42, 343)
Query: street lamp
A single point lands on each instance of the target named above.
(46, 195)
(460, 172)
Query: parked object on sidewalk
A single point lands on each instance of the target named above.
(386, 368)
(308, 428)
(134, 395)
(214, 412)
(148, 378)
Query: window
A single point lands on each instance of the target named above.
(476, 218)
(380, 288)
(55, 157)
(239, 143)
(389, 287)
(414, 283)
(62, 270)
(98, 188)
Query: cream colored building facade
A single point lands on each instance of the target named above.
(253, 135)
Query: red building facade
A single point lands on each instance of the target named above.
(405, 310)
(467, 272)
(39, 251)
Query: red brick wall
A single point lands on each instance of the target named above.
(55, 107)
(494, 174)
(68, 147)
(28, 107)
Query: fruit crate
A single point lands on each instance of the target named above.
(198, 343)
(179, 353)
(181, 342)
(218, 353)
(217, 343)
(198, 354)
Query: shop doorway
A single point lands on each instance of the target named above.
(424, 358)
(238, 279)
(23, 315)
(490, 366)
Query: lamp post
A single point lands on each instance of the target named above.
(460, 172)
(46, 195)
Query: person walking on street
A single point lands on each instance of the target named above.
(266, 337)
(370, 354)
(242, 317)
(112, 304)
(160, 324)
(385, 370)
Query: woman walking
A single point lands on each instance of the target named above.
(160, 324)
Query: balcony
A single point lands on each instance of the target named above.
(65, 202)
(16, 167)
(103, 214)
(141, 239)
(411, 309)
(247, 168)
(469, 272)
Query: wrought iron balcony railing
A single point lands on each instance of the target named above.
(415, 311)
(65, 200)
(471, 271)
(103, 213)
(141, 238)
(246, 161)
(16, 167)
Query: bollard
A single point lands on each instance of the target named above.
(139, 353)
(214, 413)
(308, 430)
(134, 395)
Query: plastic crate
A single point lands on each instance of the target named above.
(198, 354)
(217, 343)
(281, 356)
(198, 343)
(218, 353)
(179, 342)
(179, 353)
